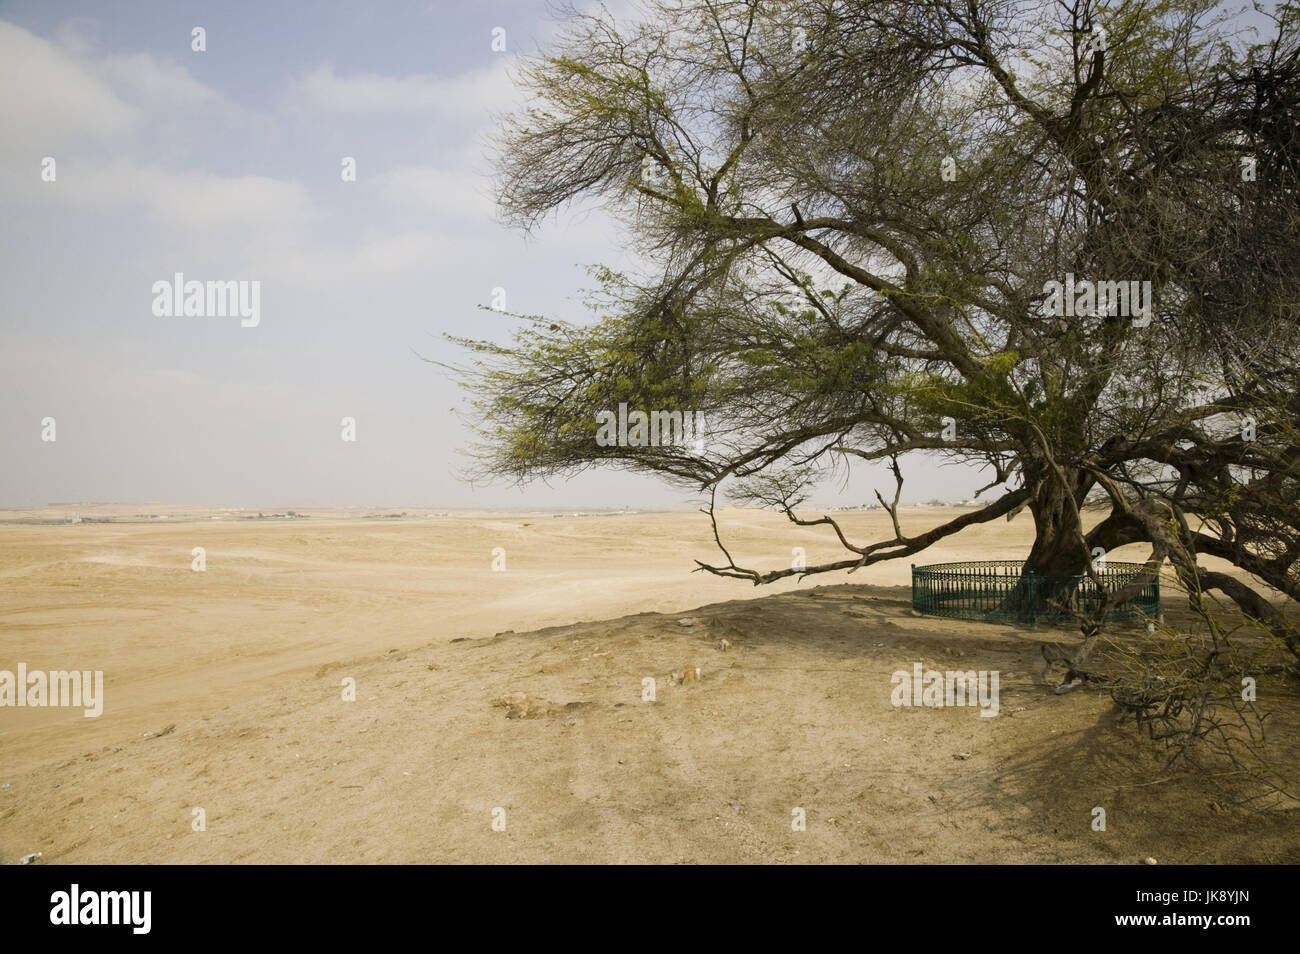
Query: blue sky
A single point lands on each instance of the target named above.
(225, 165)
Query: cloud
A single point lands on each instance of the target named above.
(462, 194)
(152, 381)
(470, 96)
(83, 110)
(371, 258)
(51, 100)
(202, 202)
(194, 202)
(157, 85)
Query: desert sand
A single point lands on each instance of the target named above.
(224, 691)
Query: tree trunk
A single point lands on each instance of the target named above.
(1057, 554)
(1058, 548)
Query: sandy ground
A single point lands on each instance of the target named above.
(224, 693)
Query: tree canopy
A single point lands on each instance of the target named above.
(1054, 239)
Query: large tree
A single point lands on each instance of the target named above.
(852, 215)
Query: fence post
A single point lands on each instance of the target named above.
(1033, 600)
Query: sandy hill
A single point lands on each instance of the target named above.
(793, 712)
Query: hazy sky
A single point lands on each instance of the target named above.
(225, 165)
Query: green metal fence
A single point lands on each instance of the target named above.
(1004, 591)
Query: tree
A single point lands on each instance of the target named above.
(1055, 239)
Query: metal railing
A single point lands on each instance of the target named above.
(1004, 591)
